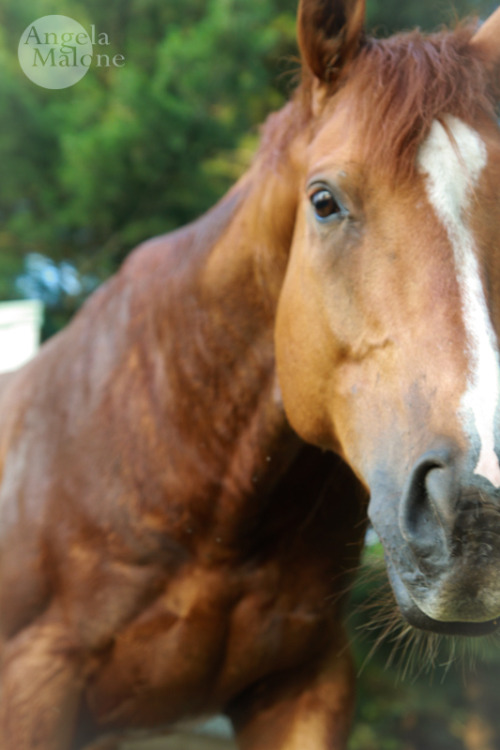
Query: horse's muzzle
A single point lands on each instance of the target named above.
(443, 568)
(418, 619)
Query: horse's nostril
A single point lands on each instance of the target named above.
(427, 506)
(439, 485)
(442, 518)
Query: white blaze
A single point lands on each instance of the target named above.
(452, 167)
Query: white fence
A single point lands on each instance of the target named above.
(20, 326)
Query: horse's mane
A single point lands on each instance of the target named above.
(404, 83)
(401, 85)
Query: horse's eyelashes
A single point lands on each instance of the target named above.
(325, 205)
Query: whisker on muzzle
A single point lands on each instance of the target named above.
(380, 632)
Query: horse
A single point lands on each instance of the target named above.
(188, 467)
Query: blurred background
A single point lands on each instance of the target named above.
(135, 150)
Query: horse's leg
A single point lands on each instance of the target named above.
(311, 710)
(40, 690)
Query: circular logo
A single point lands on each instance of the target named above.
(55, 52)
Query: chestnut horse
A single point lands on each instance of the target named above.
(186, 468)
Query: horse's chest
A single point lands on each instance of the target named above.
(205, 639)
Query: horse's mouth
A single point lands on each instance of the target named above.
(418, 619)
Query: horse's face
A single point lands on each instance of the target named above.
(387, 348)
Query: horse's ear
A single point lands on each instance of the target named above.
(487, 41)
(329, 33)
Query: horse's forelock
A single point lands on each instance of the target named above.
(402, 84)
(398, 87)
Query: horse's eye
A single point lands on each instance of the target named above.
(324, 204)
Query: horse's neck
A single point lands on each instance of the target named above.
(227, 270)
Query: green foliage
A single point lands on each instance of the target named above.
(389, 16)
(92, 170)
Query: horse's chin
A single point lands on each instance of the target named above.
(418, 619)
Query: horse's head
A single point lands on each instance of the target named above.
(388, 320)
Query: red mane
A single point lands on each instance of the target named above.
(401, 85)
